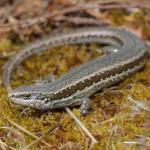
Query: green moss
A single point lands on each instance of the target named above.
(112, 112)
(117, 17)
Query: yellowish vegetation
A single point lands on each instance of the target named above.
(115, 120)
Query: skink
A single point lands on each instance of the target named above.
(76, 86)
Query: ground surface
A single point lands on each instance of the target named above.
(120, 115)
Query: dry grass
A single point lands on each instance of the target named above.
(119, 118)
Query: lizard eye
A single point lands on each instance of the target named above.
(27, 96)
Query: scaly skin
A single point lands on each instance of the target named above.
(76, 86)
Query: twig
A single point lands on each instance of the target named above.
(114, 118)
(114, 129)
(139, 104)
(91, 5)
(10, 10)
(16, 132)
(4, 146)
(83, 21)
(109, 140)
(41, 138)
(79, 123)
(23, 112)
(136, 143)
(142, 136)
(25, 131)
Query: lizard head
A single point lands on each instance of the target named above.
(32, 97)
